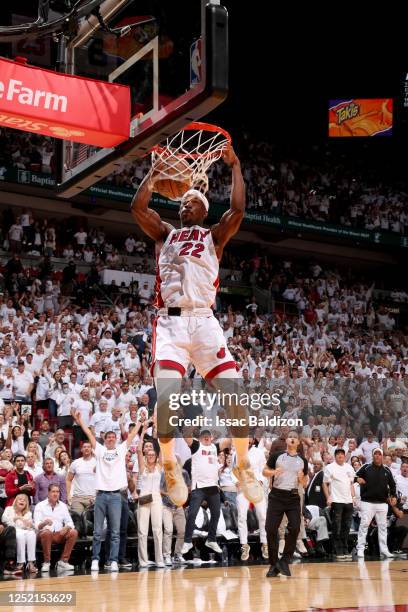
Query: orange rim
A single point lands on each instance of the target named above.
(208, 127)
(192, 127)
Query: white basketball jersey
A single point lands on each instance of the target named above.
(187, 269)
(204, 467)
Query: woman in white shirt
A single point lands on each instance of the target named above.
(149, 482)
(64, 462)
(356, 465)
(93, 387)
(316, 446)
(19, 516)
(227, 483)
(15, 440)
(57, 453)
(6, 384)
(50, 242)
(37, 237)
(55, 383)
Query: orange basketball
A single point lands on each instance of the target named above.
(172, 188)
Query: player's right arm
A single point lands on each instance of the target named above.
(147, 219)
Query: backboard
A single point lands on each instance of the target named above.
(174, 57)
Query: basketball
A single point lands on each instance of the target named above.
(165, 185)
(171, 189)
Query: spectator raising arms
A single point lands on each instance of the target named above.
(111, 477)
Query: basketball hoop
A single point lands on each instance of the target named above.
(182, 162)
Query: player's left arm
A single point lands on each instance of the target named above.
(231, 220)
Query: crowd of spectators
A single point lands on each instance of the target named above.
(319, 183)
(27, 234)
(338, 359)
(26, 151)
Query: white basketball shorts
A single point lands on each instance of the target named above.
(179, 341)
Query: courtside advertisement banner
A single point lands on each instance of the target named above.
(361, 117)
(62, 106)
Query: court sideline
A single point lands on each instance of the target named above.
(381, 585)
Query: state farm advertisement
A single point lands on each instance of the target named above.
(62, 106)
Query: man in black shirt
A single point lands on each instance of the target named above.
(289, 471)
(377, 488)
(397, 531)
(314, 495)
(8, 550)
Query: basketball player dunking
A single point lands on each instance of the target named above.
(186, 329)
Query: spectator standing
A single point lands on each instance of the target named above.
(367, 446)
(150, 507)
(130, 244)
(339, 491)
(23, 383)
(99, 420)
(173, 518)
(227, 481)
(81, 237)
(45, 434)
(55, 441)
(111, 477)
(81, 480)
(15, 439)
(204, 479)
(377, 487)
(124, 521)
(15, 236)
(64, 461)
(145, 293)
(84, 406)
(256, 458)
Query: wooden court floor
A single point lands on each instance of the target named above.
(372, 586)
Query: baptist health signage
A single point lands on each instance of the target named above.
(328, 229)
(105, 190)
(35, 178)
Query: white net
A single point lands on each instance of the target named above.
(186, 156)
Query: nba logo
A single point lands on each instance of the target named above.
(195, 63)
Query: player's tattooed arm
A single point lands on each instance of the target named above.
(146, 218)
(231, 220)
